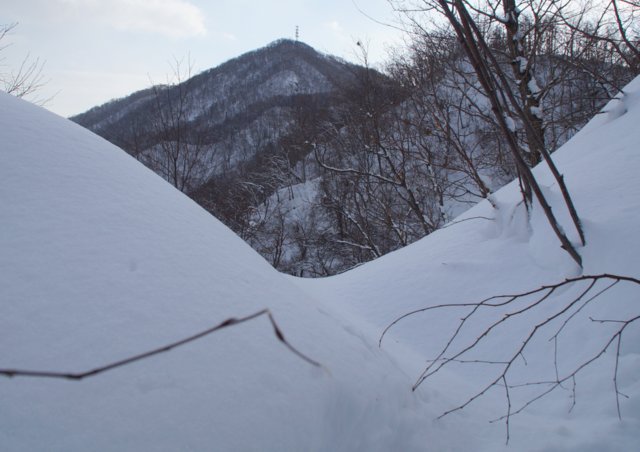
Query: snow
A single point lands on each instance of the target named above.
(521, 61)
(537, 112)
(102, 259)
(533, 86)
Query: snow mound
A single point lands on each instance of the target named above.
(101, 259)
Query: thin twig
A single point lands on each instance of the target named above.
(126, 361)
(466, 219)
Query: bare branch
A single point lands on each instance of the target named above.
(148, 354)
(27, 78)
(511, 307)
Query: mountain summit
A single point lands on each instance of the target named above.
(282, 68)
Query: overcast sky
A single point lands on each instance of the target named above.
(97, 50)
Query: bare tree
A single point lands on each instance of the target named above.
(610, 28)
(27, 78)
(382, 184)
(505, 104)
(452, 134)
(181, 154)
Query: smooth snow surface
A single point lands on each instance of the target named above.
(101, 259)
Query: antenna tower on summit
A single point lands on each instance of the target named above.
(297, 33)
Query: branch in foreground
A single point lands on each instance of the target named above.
(126, 361)
(516, 306)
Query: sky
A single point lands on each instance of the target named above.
(97, 50)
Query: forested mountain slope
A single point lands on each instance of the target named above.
(208, 124)
(321, 165)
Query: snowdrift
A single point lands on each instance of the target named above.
(101, 259)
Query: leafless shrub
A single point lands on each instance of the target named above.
(27, 78)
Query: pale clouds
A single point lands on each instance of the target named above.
(172, 18)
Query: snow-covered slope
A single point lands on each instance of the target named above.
(101, 259)
(491, 251)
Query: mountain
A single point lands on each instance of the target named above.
(223, 117)
(281, 69)
(102, 259)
